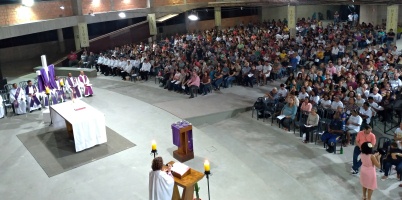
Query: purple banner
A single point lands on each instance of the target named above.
(176, 135)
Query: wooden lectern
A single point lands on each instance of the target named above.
(183, 153)
(187, 183)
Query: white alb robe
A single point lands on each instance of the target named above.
(83, 81)
(1, 107)
(160, 185)
(22, 106)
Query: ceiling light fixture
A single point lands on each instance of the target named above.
(193, 16)
(122, 15)
(28, 3)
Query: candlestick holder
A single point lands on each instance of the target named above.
(50, 112)
(154, 152)
(208, 173)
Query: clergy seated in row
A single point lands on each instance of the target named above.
(17, 98)
(84, 84)
(32, 95)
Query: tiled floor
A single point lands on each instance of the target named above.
(250, 159)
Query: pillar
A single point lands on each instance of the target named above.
(81, 37)
(60, 38)
(392, 18)
(77, 7)
(292, 20)
(218, 17)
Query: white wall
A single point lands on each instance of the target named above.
(269, 13)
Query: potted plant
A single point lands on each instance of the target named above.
(197, 190)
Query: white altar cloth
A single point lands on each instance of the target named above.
(88, 123)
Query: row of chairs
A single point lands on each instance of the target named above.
(269, 108)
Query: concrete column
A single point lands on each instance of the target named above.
(218, 17)
(150, 3)
(60, 38)
(292, 20)
(81, 37)
(77, 7)
(186, 21)
(76, 38)
(368, 14)
(112, 5)
(392, 18)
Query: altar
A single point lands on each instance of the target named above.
(85, 124)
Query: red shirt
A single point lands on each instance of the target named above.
(362, 138)
(72, 56)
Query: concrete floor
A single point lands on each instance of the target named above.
(250, 159)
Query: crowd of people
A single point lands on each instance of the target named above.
(346, 72)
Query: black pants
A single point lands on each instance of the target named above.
(286, 122)
(193, 89)
(307, 130)
(123, 74)
(144, 75)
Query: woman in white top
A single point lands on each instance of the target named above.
(314, 99)
(325, 102)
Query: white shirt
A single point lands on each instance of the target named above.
(360, 102)
(146, 66)
(100, 60)
(355, 120)
(282, 92)
(395, 83)
(316, 99)
(367, 112)
(377, 97)
(335, 105)
(325, 103)
(302, 96)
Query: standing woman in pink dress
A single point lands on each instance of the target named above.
(368, 176)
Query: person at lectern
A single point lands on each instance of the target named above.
(161, 181)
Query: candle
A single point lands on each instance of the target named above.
(153, 145)
(61, 82)
(206, 166)
(47, 90)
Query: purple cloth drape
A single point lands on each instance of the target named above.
(48, 80)
(176, 134)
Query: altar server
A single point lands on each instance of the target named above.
(84, 84)
(161, 181)
(72, 87)
(32, 94)
(17, 98)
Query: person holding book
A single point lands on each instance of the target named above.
(311, 124)
(161, 181)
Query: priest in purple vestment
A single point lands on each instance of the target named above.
(72, 87)
(32, 97)
(84, 84)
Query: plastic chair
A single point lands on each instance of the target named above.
(8, 106)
